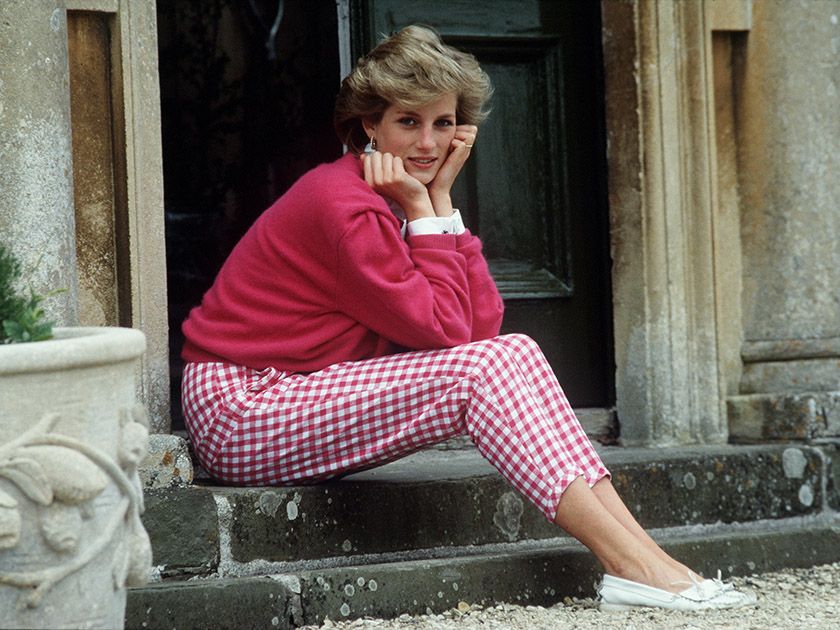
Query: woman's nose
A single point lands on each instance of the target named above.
(426, 140)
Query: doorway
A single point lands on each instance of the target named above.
(247, 90)
(247, 93)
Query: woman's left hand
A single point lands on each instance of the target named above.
(460, 150)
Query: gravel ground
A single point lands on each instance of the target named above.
(793, 598)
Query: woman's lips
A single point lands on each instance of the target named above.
(422, 162)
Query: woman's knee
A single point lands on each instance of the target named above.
(516, 347)
(520, 341)
(510, 352)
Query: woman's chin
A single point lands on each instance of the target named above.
(424, 177)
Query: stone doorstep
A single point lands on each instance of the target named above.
(532, 573)
(435, 501)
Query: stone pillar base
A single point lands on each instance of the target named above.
(784, 416)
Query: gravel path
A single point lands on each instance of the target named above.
(793, 598)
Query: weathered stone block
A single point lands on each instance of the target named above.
(387, 590)
(786, 416)
(219, 604)
(350, 518)
(454, 498)
(831, 452)
(184, 529)
(789, 218)
(724, 484)
(803, 376)
(167, 463)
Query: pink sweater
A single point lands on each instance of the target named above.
(324, 276)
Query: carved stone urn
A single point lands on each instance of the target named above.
(71, 437)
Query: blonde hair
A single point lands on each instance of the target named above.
(411, 68)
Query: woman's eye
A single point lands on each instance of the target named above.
(444, 122)
(408, 122)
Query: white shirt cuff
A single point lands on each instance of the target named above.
(437, 225)
(458, 226)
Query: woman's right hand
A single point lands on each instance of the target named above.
(386, 174)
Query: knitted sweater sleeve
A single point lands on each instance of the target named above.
(414, 292)
(487, 305)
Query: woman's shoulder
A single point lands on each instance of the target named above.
(340, 181)
(334, 196)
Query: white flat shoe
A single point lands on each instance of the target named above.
(615, 593)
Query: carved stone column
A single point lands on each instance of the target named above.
(657, 57)
(36, 167)
(71, 439)
(789, 159)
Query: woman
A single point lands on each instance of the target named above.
(357, 322)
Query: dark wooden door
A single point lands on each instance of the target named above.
(534, 187)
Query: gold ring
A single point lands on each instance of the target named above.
(469, 146)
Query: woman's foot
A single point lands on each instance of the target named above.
(615, 593)
(657, 570)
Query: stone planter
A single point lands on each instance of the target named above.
(71, 436)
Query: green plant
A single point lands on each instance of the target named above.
(21, 317)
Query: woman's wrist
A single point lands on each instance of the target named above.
(419, 209)
(442, 204)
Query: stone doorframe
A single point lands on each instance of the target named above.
(674, 229)
(139, 240)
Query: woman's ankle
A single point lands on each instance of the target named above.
(653, 572)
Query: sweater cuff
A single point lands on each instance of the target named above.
(432, 241)
(464, 238)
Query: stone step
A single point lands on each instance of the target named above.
(438, 502)
(529, 572)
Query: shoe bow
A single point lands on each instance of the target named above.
(704, 589)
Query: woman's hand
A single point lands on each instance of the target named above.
(459, 152)
(386, 175)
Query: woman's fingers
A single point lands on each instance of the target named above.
(466, 134)
(379, 169)
(451, 167)
(458, 157)
(386, 174)
(367, 162)
(387, 168)
(461, 145)
(399, 168)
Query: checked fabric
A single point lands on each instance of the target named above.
(269, 427)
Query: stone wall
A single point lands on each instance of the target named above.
(36, 165)
(787, 81)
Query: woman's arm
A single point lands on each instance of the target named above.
(439, 189)
(414, 292)
(386, 175)
(487, 305)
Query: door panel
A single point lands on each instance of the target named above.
(513, 192)
(533, 188)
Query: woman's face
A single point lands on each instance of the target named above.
(421, 136)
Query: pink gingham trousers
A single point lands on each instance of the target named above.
(268, 427)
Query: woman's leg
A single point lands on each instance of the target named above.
(598, 518)
(274, 428)
(252, 427)
(609, 498)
